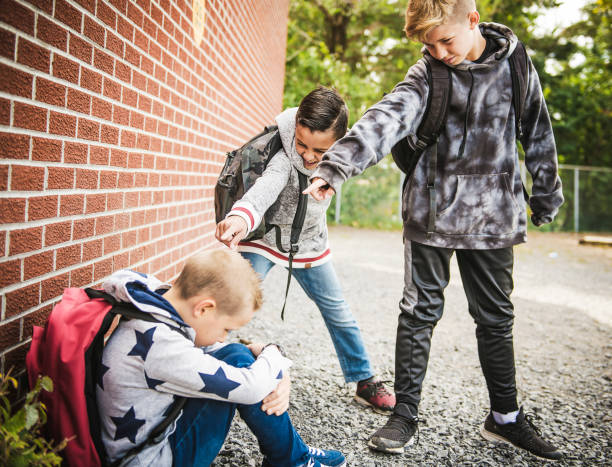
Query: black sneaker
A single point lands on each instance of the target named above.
(522, 434)
(397, 433)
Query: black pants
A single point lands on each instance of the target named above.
(487, 281)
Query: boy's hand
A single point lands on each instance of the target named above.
(256, 348)
(231, 230)
(277, 402)
(319, 189)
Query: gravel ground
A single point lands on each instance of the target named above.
(563, 326)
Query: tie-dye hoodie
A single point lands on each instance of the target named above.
(146, 364)
(479, 202)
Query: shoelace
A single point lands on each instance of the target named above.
(381, 390)
(315, 451)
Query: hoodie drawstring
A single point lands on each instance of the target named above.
(467, 112)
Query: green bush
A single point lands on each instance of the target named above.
(21, 444)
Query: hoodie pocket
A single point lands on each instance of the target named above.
(481, 205)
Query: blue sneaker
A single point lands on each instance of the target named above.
(324, 458)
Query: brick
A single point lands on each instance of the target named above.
(139, 81)
(112, 243)
(101, 109)
(42, 207)
(9, 334)
(16, 82)
(17, 16)
(128, 138)
(122, 221)
(91, 80)
(44, 149)
(104, 225)
(50, 92)
(103, 61)
(59, 232)
(62, 124)
(108, 179)
(143, 141)
(10, 272)
(2, 245)
(45, 5)
(121, 261)
(112, 89)
(106, 14)
(22, 299)
(36, 318)
(12, 210)
(33, 55)
(95, 203)
(136, 120)
(25, 240)
(86, 179)
(54, 286)
(37, 265)
(68, 15)
(65, 68)
(109, 135)
(71, 205)
(60, 178)
(7, 44)
(114, 43)
(123, 72)
(4, 170)
(114, 201)
(120, 5)
(30, 117)
(99, 155)
(83, 228)
(132, 55)
(129, 98)
(88, 129)
(81, 277)
(141, 41)
(125, 28)
(121, 115)
(135, 14)
(16, 359)
(15, 146)
(92, 250)
(79, 101)
(27, 178)
(67, 256)
(102, 269)
(94, 31)
(89, 5)
(75, 153)
(51, 33)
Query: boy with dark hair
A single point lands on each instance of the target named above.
(145, 365)
(306, 132)
(468, 199)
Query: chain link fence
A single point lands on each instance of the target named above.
(373, 199)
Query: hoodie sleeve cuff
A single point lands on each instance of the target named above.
(331, 176)
(246, 211)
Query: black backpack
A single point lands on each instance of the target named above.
(243, 166)
(406, 153)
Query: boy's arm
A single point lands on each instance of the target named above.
(384, 124)
(178, 367)
(540, 154)
(264, 192)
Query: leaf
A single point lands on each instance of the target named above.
(31, 416)
(47, 384)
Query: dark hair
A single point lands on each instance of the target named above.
(323, 109)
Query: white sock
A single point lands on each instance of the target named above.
(503, 418)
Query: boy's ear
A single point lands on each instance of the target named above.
(204, 305)
(474, 18)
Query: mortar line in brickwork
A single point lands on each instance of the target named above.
(135, 229)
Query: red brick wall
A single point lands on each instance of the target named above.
(113, 128)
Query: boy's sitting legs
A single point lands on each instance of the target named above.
(202, 428)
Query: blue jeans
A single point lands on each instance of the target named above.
(322, 286)
(204, 424)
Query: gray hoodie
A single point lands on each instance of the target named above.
(479, 202)
(275, 194)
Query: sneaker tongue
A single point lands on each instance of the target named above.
(405, 411)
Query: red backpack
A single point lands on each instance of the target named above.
(69, 350)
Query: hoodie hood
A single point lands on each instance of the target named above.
(505, 39)
(144, 292)
(286, 129)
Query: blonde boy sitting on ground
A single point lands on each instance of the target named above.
(146, 364)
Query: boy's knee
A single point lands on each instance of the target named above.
(235, 354)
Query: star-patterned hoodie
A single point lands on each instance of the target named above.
(145, 365)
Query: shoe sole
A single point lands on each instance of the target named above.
(495, 438)
(399, 450)
(365, 403)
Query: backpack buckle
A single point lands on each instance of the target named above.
(294, 248)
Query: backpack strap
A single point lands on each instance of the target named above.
(129, 311)
(519, 71)
(296, 230)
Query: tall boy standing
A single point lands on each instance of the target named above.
(477, 206)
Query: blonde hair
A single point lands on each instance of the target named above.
(224, 275)
(424, 15)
